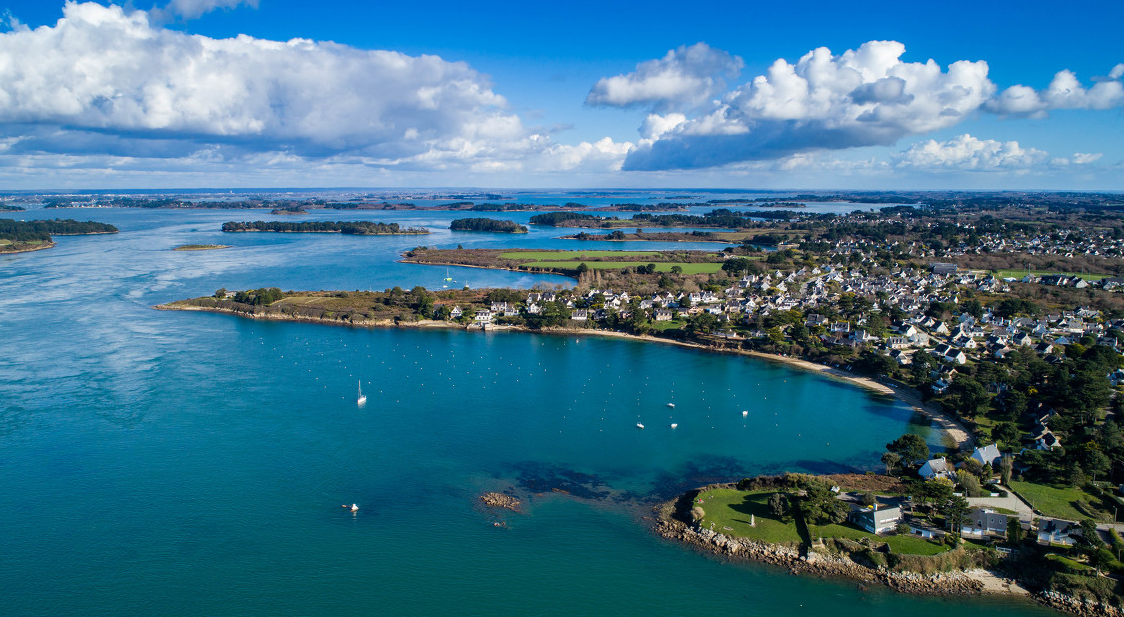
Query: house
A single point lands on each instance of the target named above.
(1056, 531)
(987, 455)
(483, 316)
(1047, 441)
(936, 468)
(983, 523)
(874, 520)
(456, 312)
(816, 320)
(580, 315)
(663, 315)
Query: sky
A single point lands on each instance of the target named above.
(811, 95)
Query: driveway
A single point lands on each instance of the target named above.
(1010, 502)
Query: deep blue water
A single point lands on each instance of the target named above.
(194, 464)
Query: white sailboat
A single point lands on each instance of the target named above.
(362, 397)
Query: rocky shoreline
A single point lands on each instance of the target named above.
(816, 563)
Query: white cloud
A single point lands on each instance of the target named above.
(656, 125)
(684, 78)
(191, 9)
(862, 97)
(966, 153)
(1064, 92)
(104, 70)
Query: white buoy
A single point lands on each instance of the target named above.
(674, 425)
(745, 413)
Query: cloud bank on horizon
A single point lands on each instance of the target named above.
(862, 97)
(107, 87)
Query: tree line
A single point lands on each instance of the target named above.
(360, 228)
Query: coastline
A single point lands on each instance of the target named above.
(816, 562)
(947, 425)
(26, 250)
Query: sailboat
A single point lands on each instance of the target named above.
(362, 397)
(448, 279)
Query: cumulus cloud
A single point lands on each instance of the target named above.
(684, 78)
(967, 153)
(1064, 92)
(862, 97)
(191, 9)
(102, 70)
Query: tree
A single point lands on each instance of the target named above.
(779, 506)
(582, 268)
(819, 505)
(869, 499)
(1014, 531)
(970, 395)
(912, 448)
(891, 460)
(970, 483)
(954, 509)
(677, 269)
(1006, 464)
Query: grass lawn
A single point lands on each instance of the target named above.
(674, 324)
(1021, 273)
(688, 268)
(1069, 564)
(729, 511)
(575, 255)
(904, 544)
(1054, 501)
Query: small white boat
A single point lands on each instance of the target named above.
(354, 507)
(674, 425)
(639, 426)
(745, 413)
(671, 405)
(362, 400)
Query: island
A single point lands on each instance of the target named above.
(201, 247)
(8, 208)
(24, 236)
(487, 224)
(357, 228)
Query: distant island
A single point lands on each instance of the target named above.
(4, 208)
(24, 236)
(200, 247)
(486, 224)
(357, 228)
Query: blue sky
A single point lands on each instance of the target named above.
(217, 93)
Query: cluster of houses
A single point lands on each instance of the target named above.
(908, 289)
(894, 514)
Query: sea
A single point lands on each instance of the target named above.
(177, 463)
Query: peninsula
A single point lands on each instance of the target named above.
(24, 236)
(356, 228)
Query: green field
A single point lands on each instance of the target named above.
(574, 255)
(664, 266)
(729, 511)
(1018, 274)
(1054, 501)
(904, 544)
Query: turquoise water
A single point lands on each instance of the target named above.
(186, 463)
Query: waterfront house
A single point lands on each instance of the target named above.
(876, 521)
(483, 316)
(456, 312)
(982, 523)
(936, 468)
(988, 455)
(1057, 531)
